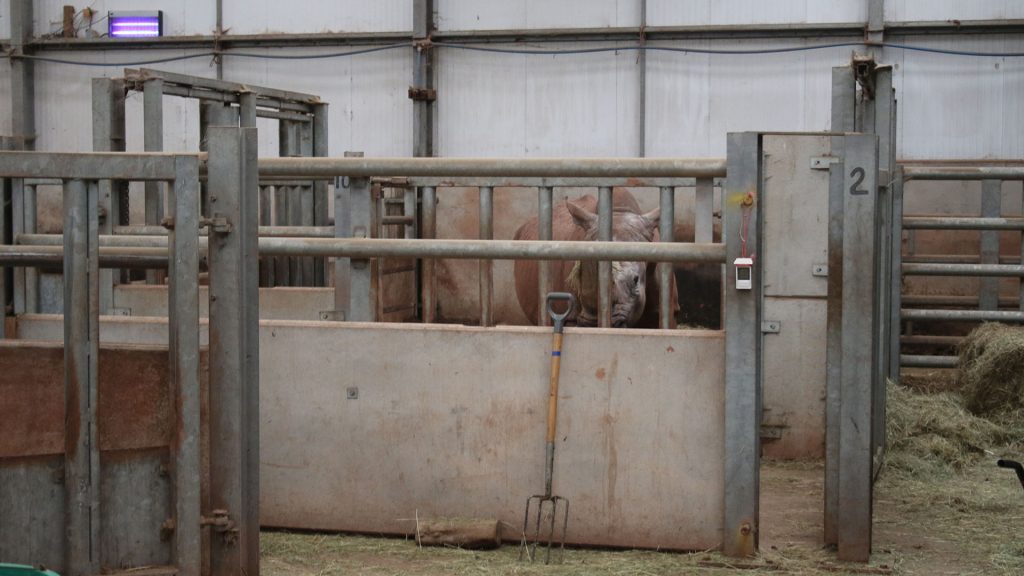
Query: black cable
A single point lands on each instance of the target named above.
(213, 54)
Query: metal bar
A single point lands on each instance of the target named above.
(428, 205)
(282, 272)
(859, 362)
(234, 351)
(704, 211)
(266, 264)
(423, 77)
(538, 181)
(486, 266)
(81, 350)
(183, 308)
(87, 166)
(933, 340)
(1020, 281)
(896, 298)
(991, 201)
(153, 141)
(455, 167)
(844, 88)
(956, 259)
(22, 78)
(289, 116)
(544, 231)
(951, 300)
(1002, 270)
(604, 268)
(307, 216)
(912, 361)
(963, 315)
(642, 87)
(108, 135)
(962, 223)
(110, 257)
(278, 231)
(362, 295)
(171, 78)
(667, 234)
(199, 94)
(320, 201)
(288, 146)
(884, 105)
(963, 172)
(876, 21)
(26, 280)
(741, 515)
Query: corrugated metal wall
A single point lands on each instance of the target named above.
(579, 105)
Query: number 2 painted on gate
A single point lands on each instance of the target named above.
(859, 174)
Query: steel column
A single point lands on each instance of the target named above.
(991, 201)
(859, 351)
(896, 274)
(23, 221)
(23, 83)
(307, 202)
(742, 349)
(486, 266)
(544, 230)
(81, 352)
(5, 193)
(844, 87)
(183, 343)
(320, 204)
(423, 78)
(667, 234)
(108, 135)
(428, 279)
(234, 350)
(604, 268)
(153, 141)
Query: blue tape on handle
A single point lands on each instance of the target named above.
(556, 353)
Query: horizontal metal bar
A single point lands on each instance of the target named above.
(269, 231)
(279, 115)
(963, 173)
(110, 257)
(955, 259)
(453, 167)
(537, 182)
(223, 41)
(951, 300)
(291, 183)
(961, 223)
(985, 270)
(43, 182)
(88, 166)
(932, 340)
(363, 248)
(397, 220)
(963, 315)
(918, 361)
(171, 78)
(232, 97)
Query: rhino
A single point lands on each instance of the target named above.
(635, 290)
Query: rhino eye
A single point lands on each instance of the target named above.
(636, 280)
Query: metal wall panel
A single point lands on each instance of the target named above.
(721, 12)
(910, 10)
(183, 17)
(274, 16)
(32, 499)
(368, 105)
(513, 105)
(512, 14)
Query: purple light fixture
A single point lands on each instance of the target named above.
(135, 24)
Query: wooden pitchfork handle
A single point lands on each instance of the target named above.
(556, 362)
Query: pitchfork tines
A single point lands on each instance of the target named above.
(556, 507)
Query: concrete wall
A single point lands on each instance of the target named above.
(454, 426)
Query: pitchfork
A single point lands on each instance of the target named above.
(556, 505)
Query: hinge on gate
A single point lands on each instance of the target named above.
(217, 224)
(222, 523)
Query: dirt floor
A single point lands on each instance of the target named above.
(966, 520)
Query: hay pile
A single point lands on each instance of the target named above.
(929, 434)
(991, 370)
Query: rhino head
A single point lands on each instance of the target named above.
(629, 286)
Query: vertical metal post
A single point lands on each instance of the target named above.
(705, 211)
(876, 20)
(183, 308)
(26, 279)
(108, 135)
(81, 353)
(1020, 280)
(362, 295)
(23, 83)
(307, 203)
(429, 231)
(486, 266)
(740, 204)
(153, 141)
(991, 201)
(282, 272)
(412, 231)
(544, 230)
(320, 205)
(859, 361)
(289, 146)
(667, 234)
(5, 193)
(266, 262)
(844, 88)
(234, 348)
(896, 273)
(604, 269)
(213, 114)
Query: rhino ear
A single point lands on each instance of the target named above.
(584, 218)
(652, 220)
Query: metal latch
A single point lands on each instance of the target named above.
(822, 162)
(771, 326)
(217, 224)
(419, 94)
(222, 523)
